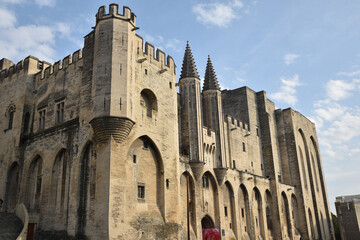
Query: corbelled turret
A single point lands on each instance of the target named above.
(188, 68)
(210, 81)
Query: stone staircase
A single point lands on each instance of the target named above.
(10, 226)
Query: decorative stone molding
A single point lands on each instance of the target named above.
(197, 168)
(117, 127)
(220, 174)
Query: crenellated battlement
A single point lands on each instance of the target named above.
(157, 57)
(236, 123)
(127, 15)
(59, 65)
(29, 65)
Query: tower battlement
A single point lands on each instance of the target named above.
(30, 65)
(236, 123)
(157, 57)
(59, 65)
(114, 13)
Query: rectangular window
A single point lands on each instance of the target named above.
(242, 213)
(141, 191)
(205, 182)
(225, 210)
(42, 119)
(59, 112)
(234, 164)
(134, 158)
(244, 147)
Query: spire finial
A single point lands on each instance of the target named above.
(188, 66)
(210, 81)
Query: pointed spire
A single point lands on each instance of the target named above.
(210, 81)
(188, 66)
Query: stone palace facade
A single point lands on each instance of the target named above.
(108, 144)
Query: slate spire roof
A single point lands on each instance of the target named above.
(210, 81)
(188, 67)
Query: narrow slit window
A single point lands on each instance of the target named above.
(141, 192)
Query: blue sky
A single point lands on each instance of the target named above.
(304, 54)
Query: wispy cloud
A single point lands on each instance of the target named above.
(339, 134)
(219, 14)
(350, 74)
(290, 58)
(46, 3)
(36, 40)
(7, 18)
(11, 1)
(340, 89)
(173, 44)
(40, 3)
(287, 92)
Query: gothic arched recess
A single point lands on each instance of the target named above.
(87, 186)
(188, 204)
(34, 184)
(12, 186)
(244, 208)
(147, 169)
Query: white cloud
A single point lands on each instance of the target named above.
(219, 14)
(46, 3)
(158, 41)
(350, 74)
(290, 58)
(340, 89)
(330, 112)
(344, 128)
(28, 40)
(287, 92)
(40, 3)
(64, 29)
(11, 1)
(7, 18)
(174, 45)
(36, 40)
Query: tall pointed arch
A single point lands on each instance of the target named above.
(34, 184)
(12, 186)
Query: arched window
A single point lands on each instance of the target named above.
(148, 101)
(87, 189)
(34, 184)
(10, 116)
(286, 213)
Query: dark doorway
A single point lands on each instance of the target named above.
(207, 222)
(209, 232)
(30, 232)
